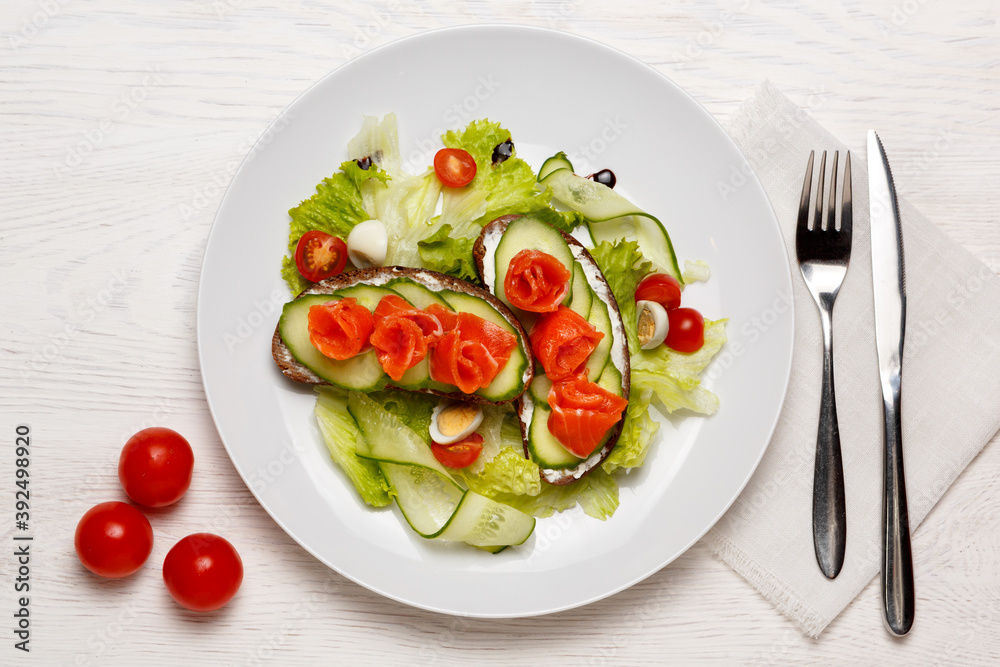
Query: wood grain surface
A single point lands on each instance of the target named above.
(121, 124)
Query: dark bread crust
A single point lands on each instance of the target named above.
(381, 275)
(569, 475)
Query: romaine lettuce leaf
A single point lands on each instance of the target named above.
(340, 433)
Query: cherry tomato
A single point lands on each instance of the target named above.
(661, 288)
(460, 454)
(455, 167)
(202, 572)
(155, 467)
(319, 255)
(687, 330)
(113, 539)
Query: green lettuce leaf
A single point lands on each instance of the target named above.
(637, 433)
(441, 251)
(623, 267)
(508, 473)
(502, 189)
(356, 175)
(597, 494)
(686, 368)
(335, 209)
(340, 433)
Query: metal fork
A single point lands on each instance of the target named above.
(824, 251)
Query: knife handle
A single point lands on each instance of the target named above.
(829, 504)
(898, 597)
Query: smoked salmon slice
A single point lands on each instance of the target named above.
(402, 335)
(340, 329)
(472, 353)
(399, 343)
(562, 341)
(536, 281)
(582, 413)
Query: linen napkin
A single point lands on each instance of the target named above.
(950, 383)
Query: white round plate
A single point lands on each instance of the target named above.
(553, 91)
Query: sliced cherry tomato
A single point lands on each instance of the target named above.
(155, 467)
(340, 329)
(113, 539)
(455, 167)
(202, 572)
(319, 255)
(461, 454)
(661, 288)
(687, 330)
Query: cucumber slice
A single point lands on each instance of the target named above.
(418, 295)
(367, 295)
(611, 379)
(604, 208)
(430, 499)
(509, 382)
(540, 387)
(545, 450)
(557, 161)
(387, 439)
(580, 302)
(483, 522)
(425, 498)
(528, 233)
(360, 373)
(600, 317)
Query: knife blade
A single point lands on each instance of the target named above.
(889, 285)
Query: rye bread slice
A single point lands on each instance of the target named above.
(525, 405)
(433, 280)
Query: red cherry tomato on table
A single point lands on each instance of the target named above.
(687, 330)
(661, 288)
(319, 255)
(155, 467)
(113, 539)
(461, 454)
(455, 167)
(203, 572)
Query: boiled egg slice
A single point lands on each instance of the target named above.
(452, 422)
(652, 325)
(367, 244)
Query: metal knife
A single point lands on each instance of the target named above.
(890, 324)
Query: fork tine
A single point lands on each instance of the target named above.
(803, 224)
(846, 208)
(818, 217)
(831, 201)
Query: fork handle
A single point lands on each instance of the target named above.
(829, 504)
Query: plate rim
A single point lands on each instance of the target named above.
(425, 34)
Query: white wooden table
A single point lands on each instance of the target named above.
(121, 123)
